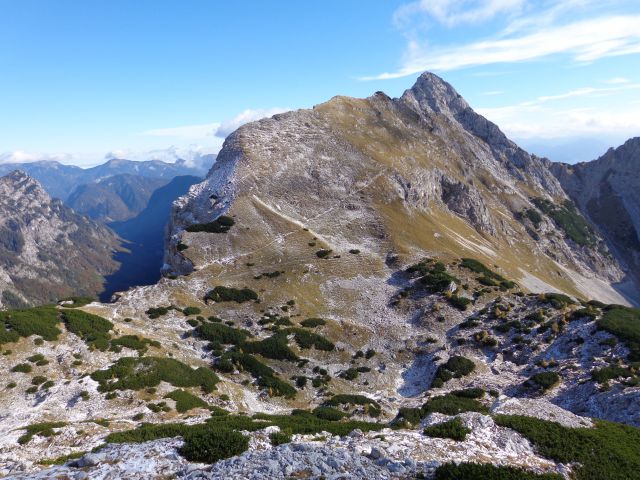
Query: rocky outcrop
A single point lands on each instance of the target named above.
(46, 250)
(607, 191)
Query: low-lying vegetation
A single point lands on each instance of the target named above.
(41, 321)
(186, 401)
(567, 217)
(131, 373)
(475, 471)
(94, 330)
(230, 294)
(453, 429)
(609, 451)
(545, 380)
(624, 323)
(222, 224)
(455, 367)
(487, 276)
(45, 429)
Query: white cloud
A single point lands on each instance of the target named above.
(456, 12)
(617, 81)
(539, 119)
(249, 115)
(584, 41)
(196, 156)
(21, 156)
(188, 131)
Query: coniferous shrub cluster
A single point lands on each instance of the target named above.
(230, 294)
(456, 367)
(452, 429)
(222, 224)
(129, 373)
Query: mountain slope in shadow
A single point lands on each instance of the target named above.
(144, 235)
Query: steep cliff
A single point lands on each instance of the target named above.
(46, 250)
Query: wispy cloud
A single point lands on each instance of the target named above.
(249, 115)
(456, 12)
(584, 41)
(617, 81)
(21, 156)
(542, 118)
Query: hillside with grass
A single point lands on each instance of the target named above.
(377, 288)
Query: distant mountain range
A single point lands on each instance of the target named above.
(115, 198)
(61, 180)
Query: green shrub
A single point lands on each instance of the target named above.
(47, 385)
(132, 342)
(222, 224)
(306, 339)
(461, 303)
(452, 405)
(230, 294)
(185, 401)
(452, 429)
(455, 367)
(329, 413)
(349, 374)
(191, 311)
(264, 375)
(157, 312)
(45, 429)
(545, 380)
(313, 322)
(584, 313)
(349, 399)
(130, 373)
(274, 347)
(567, 217)
(557, 300)
(209, 446)
(469, 393)
(624, 323)
(22, 368)
(533, 215)
(323, 253)
(38, 379)
(38, 357)
(279, 438)
(605, 374)
(606, 452)
(437, 279)
(40, 321)
(94, 330)
(220, 333)
(474, 471)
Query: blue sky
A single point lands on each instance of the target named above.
(85, 80)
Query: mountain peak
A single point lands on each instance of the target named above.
(19, 181)
(432, 94)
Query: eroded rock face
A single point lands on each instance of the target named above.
(607, 191)
(46, 250)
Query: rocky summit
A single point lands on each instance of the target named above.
(375, 288)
